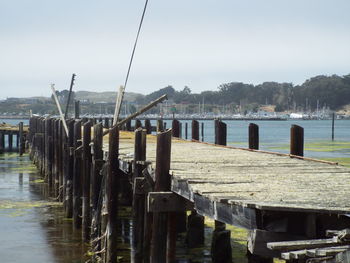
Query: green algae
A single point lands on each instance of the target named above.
(20, 208)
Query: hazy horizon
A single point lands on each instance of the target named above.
(199, 43)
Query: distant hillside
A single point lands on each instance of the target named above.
(107, 96)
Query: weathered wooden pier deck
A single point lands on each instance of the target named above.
(277, 197)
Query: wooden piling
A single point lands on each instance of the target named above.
(202, 131)
(2, 142)
(186, 130)
(139, 197)
(10, 142)
(70, 170)
(148, 126)
(96, 181)
(176, 128)
(128, 125)
(112, 195)
(220, 133)
(21, 139)
(77, 182)
(77, 109)
(160, 126)
(138, 124)
(195, 130)
(253, 132)
(162, 183)
(106, 123)
(86, 216)
(297, 140)
(333, 117)
(195, 230)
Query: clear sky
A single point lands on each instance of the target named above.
(198, 43)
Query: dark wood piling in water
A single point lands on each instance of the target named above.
(139, 194)
(77, 175)
(160, 125)
(112, 195)
(186, 130)
(2, 142)
(86, 216)
(162, 183)
(195, 130)
(176, 128)
(20, 139)
(253, 136)
(138, 124)
(297, 140)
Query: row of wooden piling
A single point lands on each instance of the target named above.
(17, 137)
(90, 184)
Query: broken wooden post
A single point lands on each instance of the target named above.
(160, 126)
(148, 126)
(253, 132)
(112, 195)
(195, 230)
(77, 183)
(139, 197)
(176, 128)
(86, 216)
(297, 140)
(162, 183)
(106, 123)
(195, 130)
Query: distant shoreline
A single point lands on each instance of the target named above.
(15, 117)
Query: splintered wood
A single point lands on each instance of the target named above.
(249, 180)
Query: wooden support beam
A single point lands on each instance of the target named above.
(167, 202)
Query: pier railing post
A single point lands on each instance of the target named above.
(162, 183)
(195, 130)
(297, 140)
(253, 132)
(86, 216)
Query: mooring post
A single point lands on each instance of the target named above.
(139, 197)
(333, 117)
(195, 130)
(297, 140)
(176, 128)
(221, 250)
(77, 182)
(148, 126)
(162, 183)
(112, 195)
(160, 126)
(86, 216)
(253, 132)
(96, 181)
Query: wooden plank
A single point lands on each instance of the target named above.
(167, 202)
(303, 244)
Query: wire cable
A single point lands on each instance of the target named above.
(135, 44)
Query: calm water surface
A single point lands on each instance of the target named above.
(33, 229)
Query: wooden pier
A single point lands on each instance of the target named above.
(277, 197)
